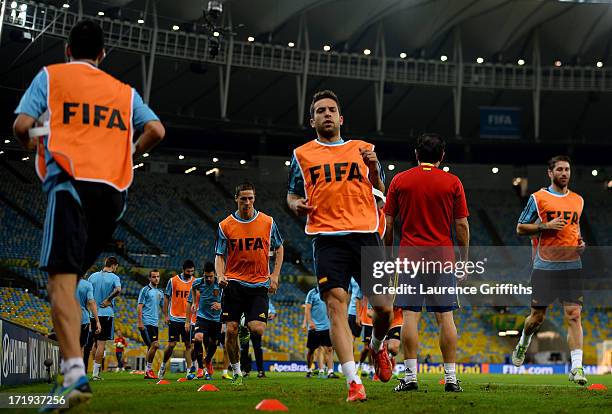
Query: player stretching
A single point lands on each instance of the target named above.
(332, 182)
(553, 215)
(315, 318)
(85, 164)
(429, 203)
(149, 304)
(244, 241)
(208, 324)
(107, 286)
(175, 310)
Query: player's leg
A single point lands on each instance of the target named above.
(174, 332)
(199, 340)
(365, 351)
(448, 347)
(410, 346)
(532, 323)
(572, 313)
(213, 335)
(256, 317)
(393, 343)
(65, 311)
(99, 355)
(310, 352)
(328, 351)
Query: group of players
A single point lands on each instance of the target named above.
(337, 184)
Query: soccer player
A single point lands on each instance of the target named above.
(120, 345)
(175, 312)
(333, 182)
(107, 286)
(315, 317)
(429, 202)
(208, 323)
(88, 307)
(85, 169)
(149, 304)
(553, 215)
(244, 242)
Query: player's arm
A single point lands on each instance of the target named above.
(140, 323)
(220, 270)
(166, 304)
(529, 225)
(107, 302)
(374, 169)
(298, 204)
(152, 129)
(357, 313)
(21, 129)
(192, 295)
(278, 263)
(93, 308)
(388, 238)
(32, 105)
(462, 231)
(308, 317)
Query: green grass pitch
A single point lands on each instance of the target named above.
(125, 393)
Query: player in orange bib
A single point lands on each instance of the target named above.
(333, 183)
(85, 149)
(175, 314)
(553, 216)
(242, 262)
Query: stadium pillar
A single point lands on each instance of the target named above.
(302, 80)
(458, 88)
(80, 9)
(537, 84)
(225, 73)
(2, 11)
(379, 87)
(153, 47)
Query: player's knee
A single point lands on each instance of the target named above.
(232, 329)
(383, 311)
(171, 345)
(155, 345)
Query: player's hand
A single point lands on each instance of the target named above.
(273, 285)
(105, 303)
(358, 323)
(167, 319)
(98, 328)
(187, 326)
(301, 208)
(140, 326)
(272, 316)
(215, 306)
(222, 281)
(312, 326)
(555, 224)
(581, 246)
(370, 159)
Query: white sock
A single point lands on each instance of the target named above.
(376, 343)
(236, 368)
(525, 339)
(149, 366)
(449, 373)
(96, 370)
(162, 368)
(410, 369)
(224, 372)
(350, 372)
(576, 355)
(73, 369)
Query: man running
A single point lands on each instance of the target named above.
(332, 182)
(85, 149)
(242, 262)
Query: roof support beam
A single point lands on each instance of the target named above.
(153, 47)
(379, 86)
(302, 79)
(225, 73)
(537, 84)
(458, 88)
(2, 11)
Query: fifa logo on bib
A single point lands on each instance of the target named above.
(336, 172)
(246, 244)
(100, 115)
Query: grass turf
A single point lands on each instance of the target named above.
(125, 393)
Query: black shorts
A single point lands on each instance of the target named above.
(239, 299)
(317, 339)
(338, 258)
(355, 330)
(367, 334)
(107, 332)
(395, 333)
(177, 333)
(85, 332)
(550, 285)
(446, 302)
(149, 334)
(210, 329)
(76, 233)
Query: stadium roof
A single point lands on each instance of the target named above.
(186, 94)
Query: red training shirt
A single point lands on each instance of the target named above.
(428, 201)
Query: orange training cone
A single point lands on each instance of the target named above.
(271, 405)
(163, 382)
(442, 381)
(597, 387)
(208, 387)
(182, 379)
